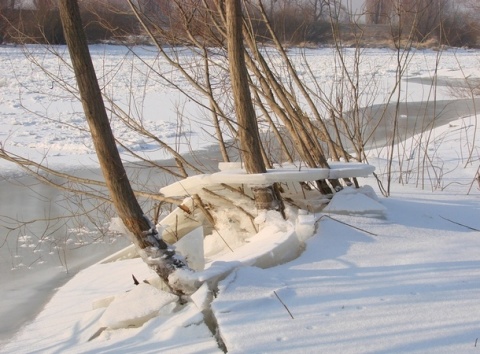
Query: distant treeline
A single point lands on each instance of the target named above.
(294, 22)
(18, 25)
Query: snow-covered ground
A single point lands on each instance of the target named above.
(404, 278)
(367, 274)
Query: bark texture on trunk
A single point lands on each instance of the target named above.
(248, 135)
(153, 249)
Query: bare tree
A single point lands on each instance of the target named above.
(7, 4)
(155, 252)
(379, 11)
(423, 18)
(265, 197)
(6, 9)
(276, 99)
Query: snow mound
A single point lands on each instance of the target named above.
(136, 307)
(277, 242)
(355, 201)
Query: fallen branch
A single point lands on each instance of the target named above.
(460, 224)
(344, 223)
(278, 297)
(249, 215)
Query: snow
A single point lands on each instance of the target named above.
(356, 293)
(43, 121)
(404, 281)
(365, 274)
(136, 307)
(286, 173)
(355, 201)
(191, 248)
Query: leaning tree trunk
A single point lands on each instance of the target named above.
(265, 196)
(154, 251)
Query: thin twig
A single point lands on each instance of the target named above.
(211, 220)
(477, 179)
(199, 203)
(460, 224)
(250, 216)
(278, 297)
(235, 190)
(344, 223)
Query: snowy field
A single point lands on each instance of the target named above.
(367, 274)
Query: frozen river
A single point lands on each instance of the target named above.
(51, 246)
(43, 254)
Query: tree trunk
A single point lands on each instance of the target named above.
(265, 196)
(154, 251)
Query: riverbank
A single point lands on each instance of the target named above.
(51, 243)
